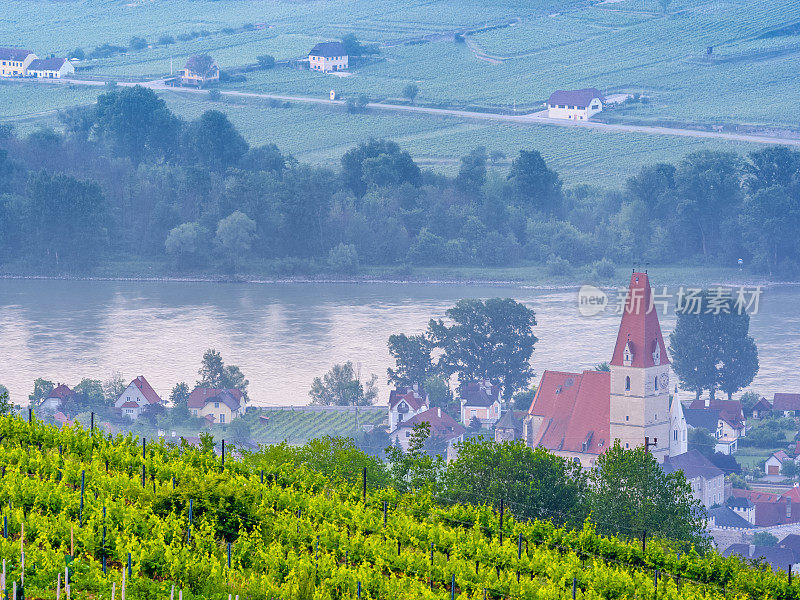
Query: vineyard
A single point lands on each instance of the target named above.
(141, 520)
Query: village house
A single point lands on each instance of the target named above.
(56, 398)
(14, 61)
(50, 68)
(405, 403)
(788, 404)
(722, 517)
(762, 408)
(743, 507)
(135, 399)
(216, 406)
(443, 427)
(732, 424)
(576, 105)
(772, 509)
(773, 465)
(509, 427)
(328, 57)
(707, 481)
(775, 556)
(579, 415)
(199, 70)
(724, 431)
(480, 400)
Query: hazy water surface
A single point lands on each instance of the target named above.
(283, 335)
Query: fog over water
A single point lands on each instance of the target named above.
(282, 335)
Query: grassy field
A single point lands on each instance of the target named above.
(515, 56)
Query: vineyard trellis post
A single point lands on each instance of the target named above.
(364, 485)
(80, 512)
(223, 455)
(574, 587)
(189, 528)
(130, 572)
(229, 555)
(91, 427)
(502, 507)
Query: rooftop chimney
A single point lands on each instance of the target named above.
(708, 402)
(439, 412)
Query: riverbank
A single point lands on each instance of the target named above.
(535, 276)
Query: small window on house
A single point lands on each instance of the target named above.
(627, 417)
(655, 382)
(221, 418)
(627, 445)
(627, 384)
(216, 404)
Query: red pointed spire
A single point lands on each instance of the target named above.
(639, 329)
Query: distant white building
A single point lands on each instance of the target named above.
(575, 105)
(50, 68)
(136, 398)
(480, 400)
(328, 57)
(405, 403)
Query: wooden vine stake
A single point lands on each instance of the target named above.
(172, 592)
(58, 586)
(123, 583)
(113, 589)
(72, 541)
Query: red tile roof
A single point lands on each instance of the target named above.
(786, 402)
(639, 326)
(147, 391)
(200, 396)
(413, 398)
(575, 408)
(130, 404)
(62, 392)
(755, 495)
(442, 424)
(793, 494)
(729, 410)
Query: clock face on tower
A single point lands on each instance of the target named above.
(663, 381)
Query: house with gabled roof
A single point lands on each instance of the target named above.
(14, 61)
(778, 558)
(56, 398)
(774, 464)
(135, 399)
(328, 57)
(480, 400)
(217, 406)
(50, 68)
(405, 403)
(443, 426)
(199, 70)
(579, 415)
(762, 408)
(722, 517)
(707, 481)
(575, 105)
(788, 404)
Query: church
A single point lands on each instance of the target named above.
(579, 415)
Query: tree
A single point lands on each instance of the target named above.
(412, 357)
(178, 397)
(410, 92)
(6, 407)
(789, 469)
(343, 259)
(711, 346)
(764, 538)
(439, 394)
(240, 431)
(490, 339)
(534, 184)
(415, 469)
(524, 399)
(265, 61)
(214, 142)
(214, 373)
(378, 162)
(534, 484)
(748, 401)
(183, 244)
(603, 366)
(77, 54)
(472, 173)
(113, 387)
(235, 235)
(701, 440)
(89, 395)
(342, 387)
(630, 495)
(136, 123)
(41, 390)
(137, 43)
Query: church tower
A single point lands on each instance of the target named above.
(640, 405)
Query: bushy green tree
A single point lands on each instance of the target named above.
(412, 356)
(214, 373)
(41, 390)
(341, 386)
(235, 236)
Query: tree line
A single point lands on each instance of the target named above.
(129, 180)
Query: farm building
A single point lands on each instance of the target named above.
(14, 61)
(576, 105)
(50, 68)
(136, 398)
(328, 57)
(199, 70)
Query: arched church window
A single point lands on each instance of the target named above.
(627, 384)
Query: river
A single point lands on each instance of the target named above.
(282, 335)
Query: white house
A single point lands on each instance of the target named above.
(443, 427)
(56, 398)
(405, 403)
(576, 105)
(50, 68)
(679, 431)
(707, 481)
(328, 57)
(480, 400)
(136, 398)
(773, 464)
(14, 61)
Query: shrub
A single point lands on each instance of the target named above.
(214, 95)
(265, 61)
(427, 249)
(77, 54)
(603, 269)
(343, 259)
(556, 265)
(137, 43)
(166, 40)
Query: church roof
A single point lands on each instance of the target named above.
(575, 408)
(639, 327)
